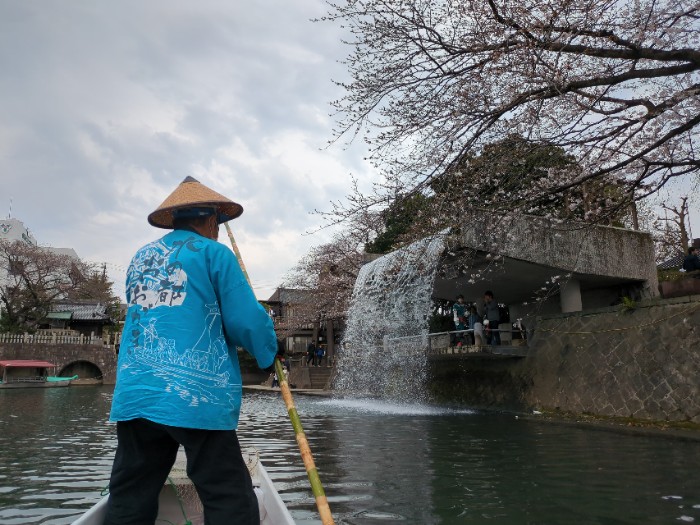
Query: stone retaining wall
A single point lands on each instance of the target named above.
(63, 355)
(642, 363)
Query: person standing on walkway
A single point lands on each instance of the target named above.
(320, 352)
(178, 378)
(474, 324)
(493, 316)
(311, 354)
(691, 261)
(459, 316)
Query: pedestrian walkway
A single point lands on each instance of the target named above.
(303, 391)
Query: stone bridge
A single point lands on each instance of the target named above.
(87, 361)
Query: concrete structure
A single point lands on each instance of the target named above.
(641, 362)
(87, 360)
(536, 266)
(536, 269)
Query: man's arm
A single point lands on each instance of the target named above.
(245, 321)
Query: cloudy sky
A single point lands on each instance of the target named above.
(107, 106)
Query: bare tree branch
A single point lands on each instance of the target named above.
(616, 84)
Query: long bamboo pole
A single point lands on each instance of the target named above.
(238, 253)
(324, 509)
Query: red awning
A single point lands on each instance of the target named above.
(26, 363)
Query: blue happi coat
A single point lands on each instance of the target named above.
(190, 306)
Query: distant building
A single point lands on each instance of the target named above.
(298, 321)
(87, 317)
(289, 309)
(14, 230)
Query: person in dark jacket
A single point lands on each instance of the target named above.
(691, 261)
(459, 314)
(311, 354)
(493, 316)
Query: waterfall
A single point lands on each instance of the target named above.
(383, 351)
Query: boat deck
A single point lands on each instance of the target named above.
(179, 503)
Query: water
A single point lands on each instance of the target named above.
(391, 298)
(380, 463)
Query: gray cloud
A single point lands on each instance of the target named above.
(108, 106)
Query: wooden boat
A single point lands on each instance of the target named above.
(179, 504)
(30, 373)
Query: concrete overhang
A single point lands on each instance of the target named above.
(524, 258)
(511, 280)
(515, 257)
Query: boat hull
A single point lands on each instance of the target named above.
(20, 384)
(178, 503)
(86, 382)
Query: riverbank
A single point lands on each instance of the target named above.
(302, 391)
(636, 367)
(629, 426)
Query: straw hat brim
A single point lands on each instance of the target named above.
(190, 194)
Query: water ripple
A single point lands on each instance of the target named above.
(378, 462)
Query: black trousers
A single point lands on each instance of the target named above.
(494, 337)
(145, 454)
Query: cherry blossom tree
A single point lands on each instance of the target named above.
(613, 83)
(328, 273)
(670, 230)
(33, 279)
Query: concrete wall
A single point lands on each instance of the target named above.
(581, 248)
(643, 364)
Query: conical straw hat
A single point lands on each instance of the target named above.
(193, 194)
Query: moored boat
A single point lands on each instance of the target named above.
(178, 502)
(30, 373)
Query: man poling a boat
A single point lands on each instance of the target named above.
(178, 378)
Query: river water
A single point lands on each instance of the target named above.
(379, 463)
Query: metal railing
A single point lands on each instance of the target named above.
(448, 342)
(26, 379)
(61, 339)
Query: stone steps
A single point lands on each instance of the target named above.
(320, 376)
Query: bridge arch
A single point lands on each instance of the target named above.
(83, 369)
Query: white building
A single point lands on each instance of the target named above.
(15, 230)
(12, 230)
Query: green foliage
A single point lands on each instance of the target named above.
(441, 319)
(440, 323)
(399, 218)
(508, 173)
(503, 176)
(509, 167)
(628, 305)
(671, 275)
